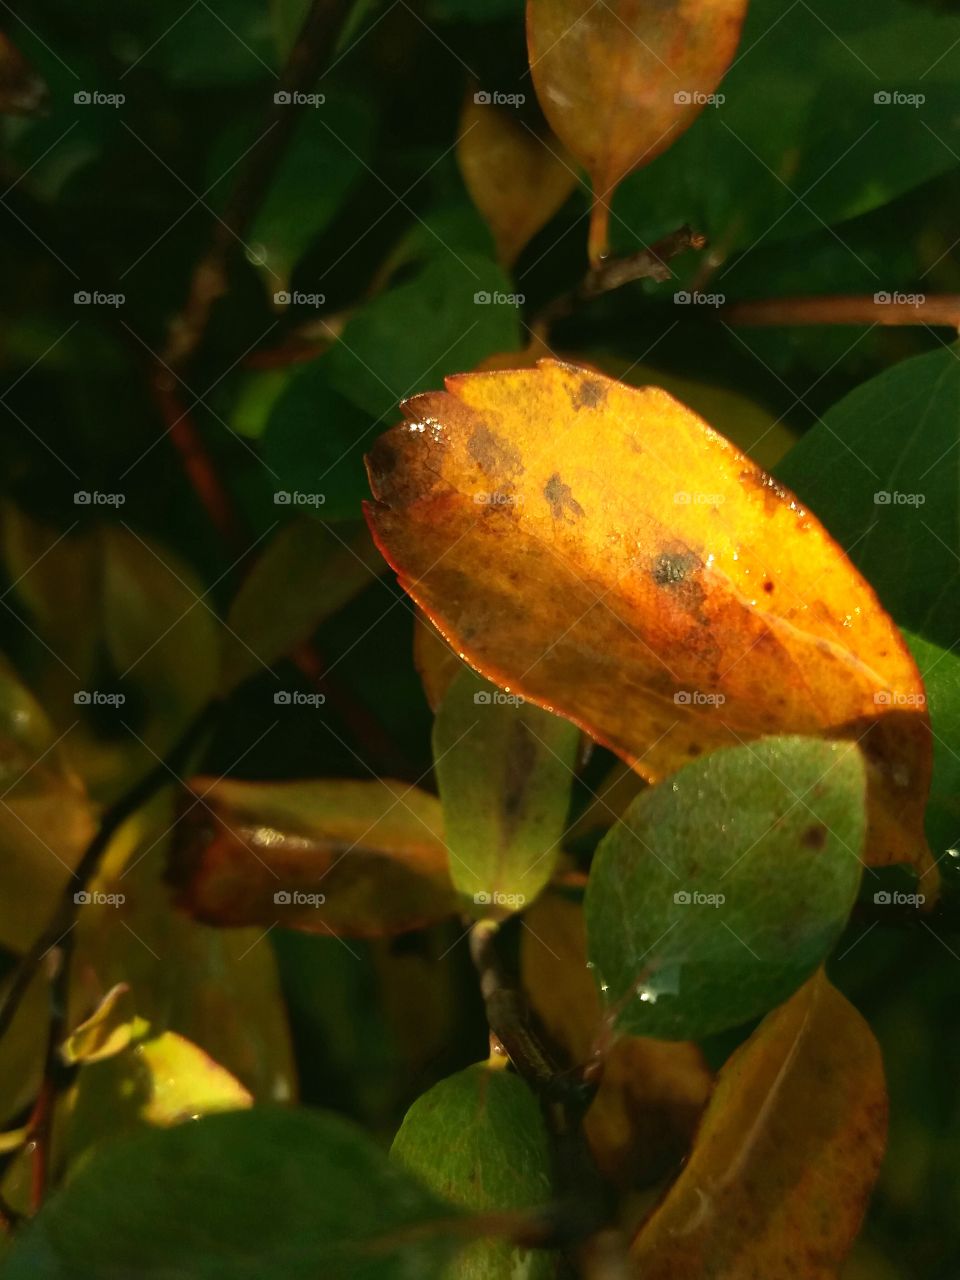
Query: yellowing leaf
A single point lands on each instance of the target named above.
(601, 551)
(652, 1091)
(357, 859)
(620, 80)
(111, 1027)
(786, 1155)
(516, 179)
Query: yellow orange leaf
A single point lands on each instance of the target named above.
(619, 81)
(110, 1029)
(652, 1091)
(786, 1154)
(602, 551)
(517, 179)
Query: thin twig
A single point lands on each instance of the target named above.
(860, 309)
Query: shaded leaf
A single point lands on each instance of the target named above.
(940, 670)
(504, 770)
(357, 859)
(320, 573)
(265, 1193)
(786, 1155)
(22, 91)
(478, 1140)
(23, 1049)
(671, 600)
(436, 663)
(619, 82)
(720, 893)
(651, 1092)
(217, 988)
(517, 179)
(405, 339)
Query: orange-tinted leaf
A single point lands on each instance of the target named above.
(652, 1091)
(357, 859)
(600, 550)
(516, 179)
(619, 81)
(786, 1155)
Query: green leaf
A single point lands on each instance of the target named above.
(725, 887)
(324, 159)
(799, 142)
(255, 1195)
(407, 339)
(881, 472)
(504, 770)
(315, 441)
(319, 572)
(940, 670)
(230, 43)
(478, 1139)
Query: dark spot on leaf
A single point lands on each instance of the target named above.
(518, 767)
(815, 836)
(562, 502)
(589, 394)
(671, 568)
(694, 749)
(768, 587)
(492, 454)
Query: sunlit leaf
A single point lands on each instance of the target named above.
(604, 553)
(478, 1140)
(504, 770)
(620, 81)
(517, 179)
(786, 1155)
(160, 1081)
(359, 859)
(265, 1193)
(718, 894)
(110, 1029)
(319, 571)
(651, 1092)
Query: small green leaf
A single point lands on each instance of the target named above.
(940, 671)
(478, 1139)
(725, 887)
(449, 317)
(315, 441)
(504, 769)
(256, 1195)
